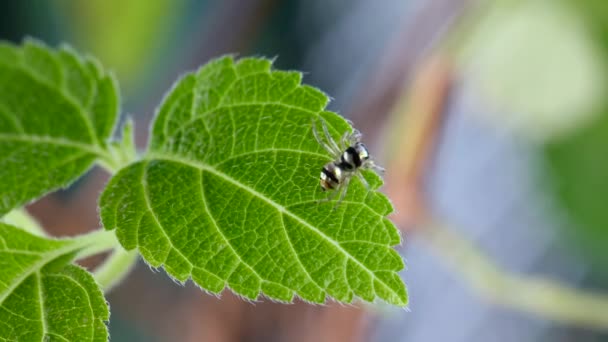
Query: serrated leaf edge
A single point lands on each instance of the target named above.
(277, 206)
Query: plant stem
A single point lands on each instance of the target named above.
(108, 164)
(22, 219)
(541, 296)
(115, 268)
(120, 153)
(96, 242)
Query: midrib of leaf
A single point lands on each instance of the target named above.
(280, 208)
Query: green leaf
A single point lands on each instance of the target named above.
(44, 298)
(575, 172)
(57, 111)
(228, 193)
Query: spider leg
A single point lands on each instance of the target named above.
(343, 191)
(369, 164)
(363, 180)
(328, 148)
(331, 195)
(345, 141)
(331, 141)
(350, 139)
(355, 136)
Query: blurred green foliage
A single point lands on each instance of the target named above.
(536, 61)
(127, 36)
(544, 63)
(577, 165)
(577, 169)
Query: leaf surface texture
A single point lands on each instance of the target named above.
(228, 194)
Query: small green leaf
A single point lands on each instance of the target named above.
(57, 111)
(123, 150)
(574, 172)
(42, 297)
(228, 193)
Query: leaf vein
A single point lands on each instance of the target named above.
(86, 292)
(204, 199)
(13, 118)
(36, 267)
(271, 149)
(231, 115)
(68, 97)
(279, 207)
(213, 110)
(16, 314)
(296, 253)
(364, 204)
(43, 318)
(58, 336)
(36, 139)
(154, 216)
(16, 251)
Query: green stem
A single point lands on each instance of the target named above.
(541, 296)
(96, 242)
(22, 219)
(120, 153)
(108, 163)
(115, 268)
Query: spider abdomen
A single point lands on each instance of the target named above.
(332, 176)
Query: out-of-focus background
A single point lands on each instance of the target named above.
(495, 112)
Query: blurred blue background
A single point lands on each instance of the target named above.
(520, 166)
